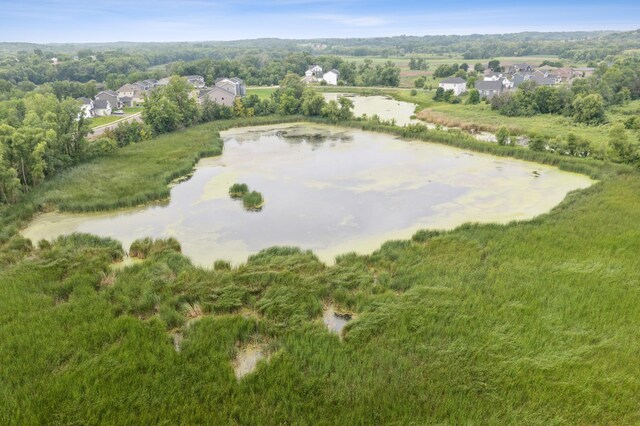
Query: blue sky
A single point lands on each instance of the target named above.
(181, 20)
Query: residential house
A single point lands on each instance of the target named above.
(163, 81)
(233, 85)
(197, 81)
(542, 79)
(520, 68)
(131, 94)
(109, 95)
(86, 107)
(149, 83)
(331, 77)
(492, 76)
(489, 89)
(309, 79)
(219, 95)
(101, 108)
(584, 72)
(314, 71)
(457, 84)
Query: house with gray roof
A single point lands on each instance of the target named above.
(109, 95)
(489, 89)
(233, 85)
(218, 95)
(101, 108)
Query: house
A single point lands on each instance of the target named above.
(219, 95)
(233, 85)
(163, 81)
(147, 84)
(54, 61)
(309, 79)
(489, 89)
(197, 81)
(492, 76)
(520, 68)
(314, 71)
(101, 108)
(109, 95)
(86, 105)
(331, 77)
(506, 83)
(457, 84)
(134, 92)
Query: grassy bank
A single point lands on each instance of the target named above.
(532, 323)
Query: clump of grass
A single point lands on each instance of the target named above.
(145, 247)
(238, 190)
(253, 200)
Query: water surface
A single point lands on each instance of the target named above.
(326, 189)
(385, 107)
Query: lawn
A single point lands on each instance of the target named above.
(101, 121)
(262, 92)
(528, 323)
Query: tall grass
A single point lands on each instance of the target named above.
(526, 323)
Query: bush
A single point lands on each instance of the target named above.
(145, 247)
(238, 190)
(252, 200)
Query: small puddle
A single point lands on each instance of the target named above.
(247, 360)
(334, 321)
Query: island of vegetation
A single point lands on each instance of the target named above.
(251, 200)
(525, 323)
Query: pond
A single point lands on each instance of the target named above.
(327, 189)
(385, 107)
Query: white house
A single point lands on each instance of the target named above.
(85, 107)
(101, 108)
(331, 77)
(457, 84)
(314, 71)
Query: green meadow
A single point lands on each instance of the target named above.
(527, 323)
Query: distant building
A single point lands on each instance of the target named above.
(314, 71)
(101, 108)
(457, 84)
(232, 85)
(109, 95)
(520, 68)
(197, 81)
(219, 95)
(331, 77)
(86, 107)
(489, 89)
(131, 94)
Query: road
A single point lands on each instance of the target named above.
(98, 131)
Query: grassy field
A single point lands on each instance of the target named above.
(101, 121)
(262, 92)
(526, 323)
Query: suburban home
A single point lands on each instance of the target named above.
(309, 79)
(233, 85)
(163, 81)
(108, 95)
(489, 89)
(331, 77)
(148, 84)
(101, 108)
(457, 84)
(506, 83)
(131, 94)
(492, 76)
(584, 72)
(520, 68)
(86, 107)
(314, 71)
(196, 81)
(219, 95)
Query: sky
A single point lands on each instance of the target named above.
(44, 21)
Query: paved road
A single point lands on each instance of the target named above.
(98, 131)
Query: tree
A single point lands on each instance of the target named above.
(502, 136)
(626, 151)
(464, 66)
(538, 143)
(478, 67)
(474, 97)
(494, 65)
(419, 82)
(312, 102)
(170, 107)
(439, 95)
(589, 109)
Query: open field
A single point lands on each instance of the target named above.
(530, 322)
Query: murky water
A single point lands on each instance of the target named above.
(385, 107)
(334, 321)
(326, 189)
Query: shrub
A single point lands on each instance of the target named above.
(238, 190)
(252, 200)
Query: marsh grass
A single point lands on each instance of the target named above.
(527, 323)
(238, 190)
(253, 201)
